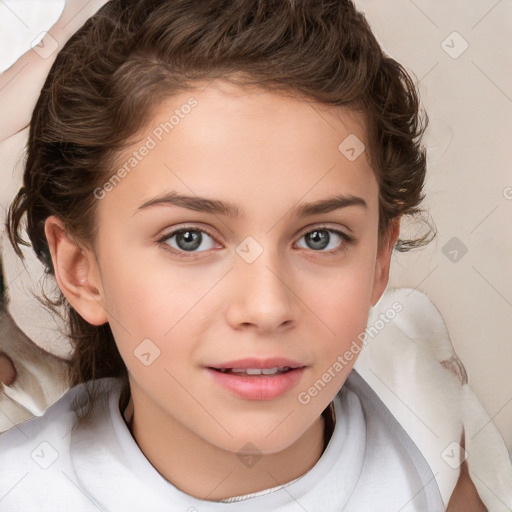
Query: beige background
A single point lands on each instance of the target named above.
(468, 95)
(469, 101)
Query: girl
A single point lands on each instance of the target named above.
(217, 188)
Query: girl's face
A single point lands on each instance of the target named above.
(244, 226)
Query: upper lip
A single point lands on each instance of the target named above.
(254, 362)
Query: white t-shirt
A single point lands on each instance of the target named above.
(49, 464)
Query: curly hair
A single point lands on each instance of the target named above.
(132, 54)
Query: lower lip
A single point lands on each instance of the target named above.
(258, 387)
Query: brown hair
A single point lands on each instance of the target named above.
(106, 80)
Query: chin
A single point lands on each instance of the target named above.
(259, 439)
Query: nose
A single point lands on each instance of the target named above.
(262, 296)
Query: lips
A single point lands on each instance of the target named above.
(256, 371)
(256, 378)
(253, 363)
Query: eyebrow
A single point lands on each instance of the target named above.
(217, 207)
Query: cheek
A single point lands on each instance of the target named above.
(134, 296)
(152, 300)
(344, 300)
(344, 313)
(343, 308)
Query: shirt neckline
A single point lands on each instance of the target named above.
(347, 443)
(329, 423)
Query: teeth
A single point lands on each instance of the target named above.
(253, 371)
(257, 371)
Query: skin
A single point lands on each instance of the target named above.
(28, 73)
(266, 153)
(21, 83)
(7, 370)
(465, 497)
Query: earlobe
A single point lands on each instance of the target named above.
(383, 261)
(76, 273)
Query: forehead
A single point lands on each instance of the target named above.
(266, 111)
(243, 142)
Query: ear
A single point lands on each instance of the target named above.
(383, 261)
(76, 272)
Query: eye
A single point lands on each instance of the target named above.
(187, 240)
(322, 238)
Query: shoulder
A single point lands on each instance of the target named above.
(35, 455)
(409, 361)
(391, 457)
(62, 415)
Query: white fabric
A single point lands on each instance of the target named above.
(369, 464)
(409, 361)
(410, 364)
(41, 378)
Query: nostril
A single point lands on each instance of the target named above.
(7, 370)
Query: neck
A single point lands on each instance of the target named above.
(208, 472)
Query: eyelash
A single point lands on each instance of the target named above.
(347, 240)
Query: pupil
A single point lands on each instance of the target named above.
(188, 240)
(319, 238)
